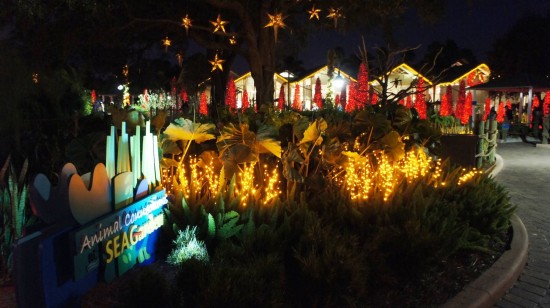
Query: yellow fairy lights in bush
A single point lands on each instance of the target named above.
(272, 190)
(468, 176)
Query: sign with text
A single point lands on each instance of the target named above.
(118, 241)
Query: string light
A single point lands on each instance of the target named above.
(314, 13)
(217, 63)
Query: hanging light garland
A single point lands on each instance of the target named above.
(217, 63)
(314, 13)
(219, 24)
(276, 21)
(186, 23)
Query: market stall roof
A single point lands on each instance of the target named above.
(516, 83)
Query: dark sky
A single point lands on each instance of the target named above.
(473, 26)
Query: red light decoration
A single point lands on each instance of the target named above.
(203, 108)
(317, 97)
(444, 109)
(337, 100)
(402, 102)
(409, 102)
(536, 104)
(420, 100)
(281, 101)
(351, 105)
(467, 112)
(500, 113)
(246, 102)
(461, 99)
(449, 94)
(231, 94)
(546, 105)
(297, 103)
(362, 93)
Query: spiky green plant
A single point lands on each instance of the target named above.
(13, 200)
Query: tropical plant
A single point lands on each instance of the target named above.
(13, 201)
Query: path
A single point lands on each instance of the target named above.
(526, 175)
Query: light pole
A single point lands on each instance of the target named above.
(287, 74)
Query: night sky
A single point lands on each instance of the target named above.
(472, 26)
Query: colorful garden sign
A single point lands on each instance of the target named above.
(96, 227)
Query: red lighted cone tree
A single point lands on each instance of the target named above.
(402, 102)
(420, 101)
(467, 112)
(546, 106)
(281, 101)
(337, 100)
(246, 102)
(500, 113)
(203, 108)
(374, 99)
(362, 88)
(317, 96)
(297, 103)
(409, 102)
(487, 108)
(351, 106)
(461, 99)
(231, 95)
(445, 108)
(449, 94)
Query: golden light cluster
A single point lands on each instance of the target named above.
(246, 187)
(468, 175)
(272, 190)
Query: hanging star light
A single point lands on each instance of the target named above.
(217, 63)
(186, 23)
(219, 24)
(233, 40)
(314, 13)
(276, 21)
(335, 14)
(166, 42)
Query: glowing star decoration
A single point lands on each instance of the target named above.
(217, 63)
(166, 42)
(219, 24)
(276, 21)
(314, 13)
(233, 40)
(186, 23)
(335, 14)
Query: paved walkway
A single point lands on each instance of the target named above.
(526, 175)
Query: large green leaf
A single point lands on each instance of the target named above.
(233, 135)
(266, 142)
(395, 148)
(314, 131)
(185, 129)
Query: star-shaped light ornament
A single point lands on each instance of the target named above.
(219, 24)
(233, 40)
(217, 63)
(335, 14)
(314, 13)
(276, 21)
(186, 23)
(166, 42)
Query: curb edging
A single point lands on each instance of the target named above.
(487, 289)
